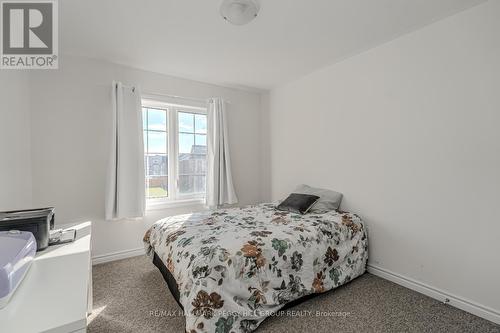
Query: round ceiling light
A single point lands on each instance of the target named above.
(239, 12)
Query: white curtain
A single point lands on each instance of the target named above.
(125, 189)
(220, 189)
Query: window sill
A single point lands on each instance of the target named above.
(160, 205)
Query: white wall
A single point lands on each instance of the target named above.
(15, 161)
(409, 132)
(70, 128)
(265, 147)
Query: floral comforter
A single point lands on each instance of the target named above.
(234, 267)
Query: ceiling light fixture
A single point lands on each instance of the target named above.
(239, 12)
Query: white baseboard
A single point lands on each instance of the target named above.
(100, 259)
(440, 295)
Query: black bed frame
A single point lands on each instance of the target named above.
(169, 278)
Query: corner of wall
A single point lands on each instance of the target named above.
(265, 145)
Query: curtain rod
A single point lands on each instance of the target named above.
(174, 96)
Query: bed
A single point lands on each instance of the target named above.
(229, 269)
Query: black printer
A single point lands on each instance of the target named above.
(37, 221)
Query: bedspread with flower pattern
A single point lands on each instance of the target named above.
(234, 267)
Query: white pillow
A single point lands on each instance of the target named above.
(328, 199)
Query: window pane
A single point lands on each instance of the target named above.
(157, 187)
(192, 164)
(157, 119)
(144, 118)
(157, 142)
(191, 184)
(186, 122)
(192, 153)
(186, 143)
(200, 140)
(200, 123)
(156, 165)
(155, 125)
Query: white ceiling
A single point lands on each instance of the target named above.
(288, 39)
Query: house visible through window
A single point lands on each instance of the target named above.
(175, 151)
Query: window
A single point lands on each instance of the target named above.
(175, 151)
(192, 152)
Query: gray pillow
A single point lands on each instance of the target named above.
(328, 200)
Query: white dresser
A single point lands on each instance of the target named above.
(56, 293)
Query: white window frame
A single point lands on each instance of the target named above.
(172, 108)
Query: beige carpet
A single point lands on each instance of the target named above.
(131, 296)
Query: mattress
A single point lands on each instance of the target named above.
(234, 267)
